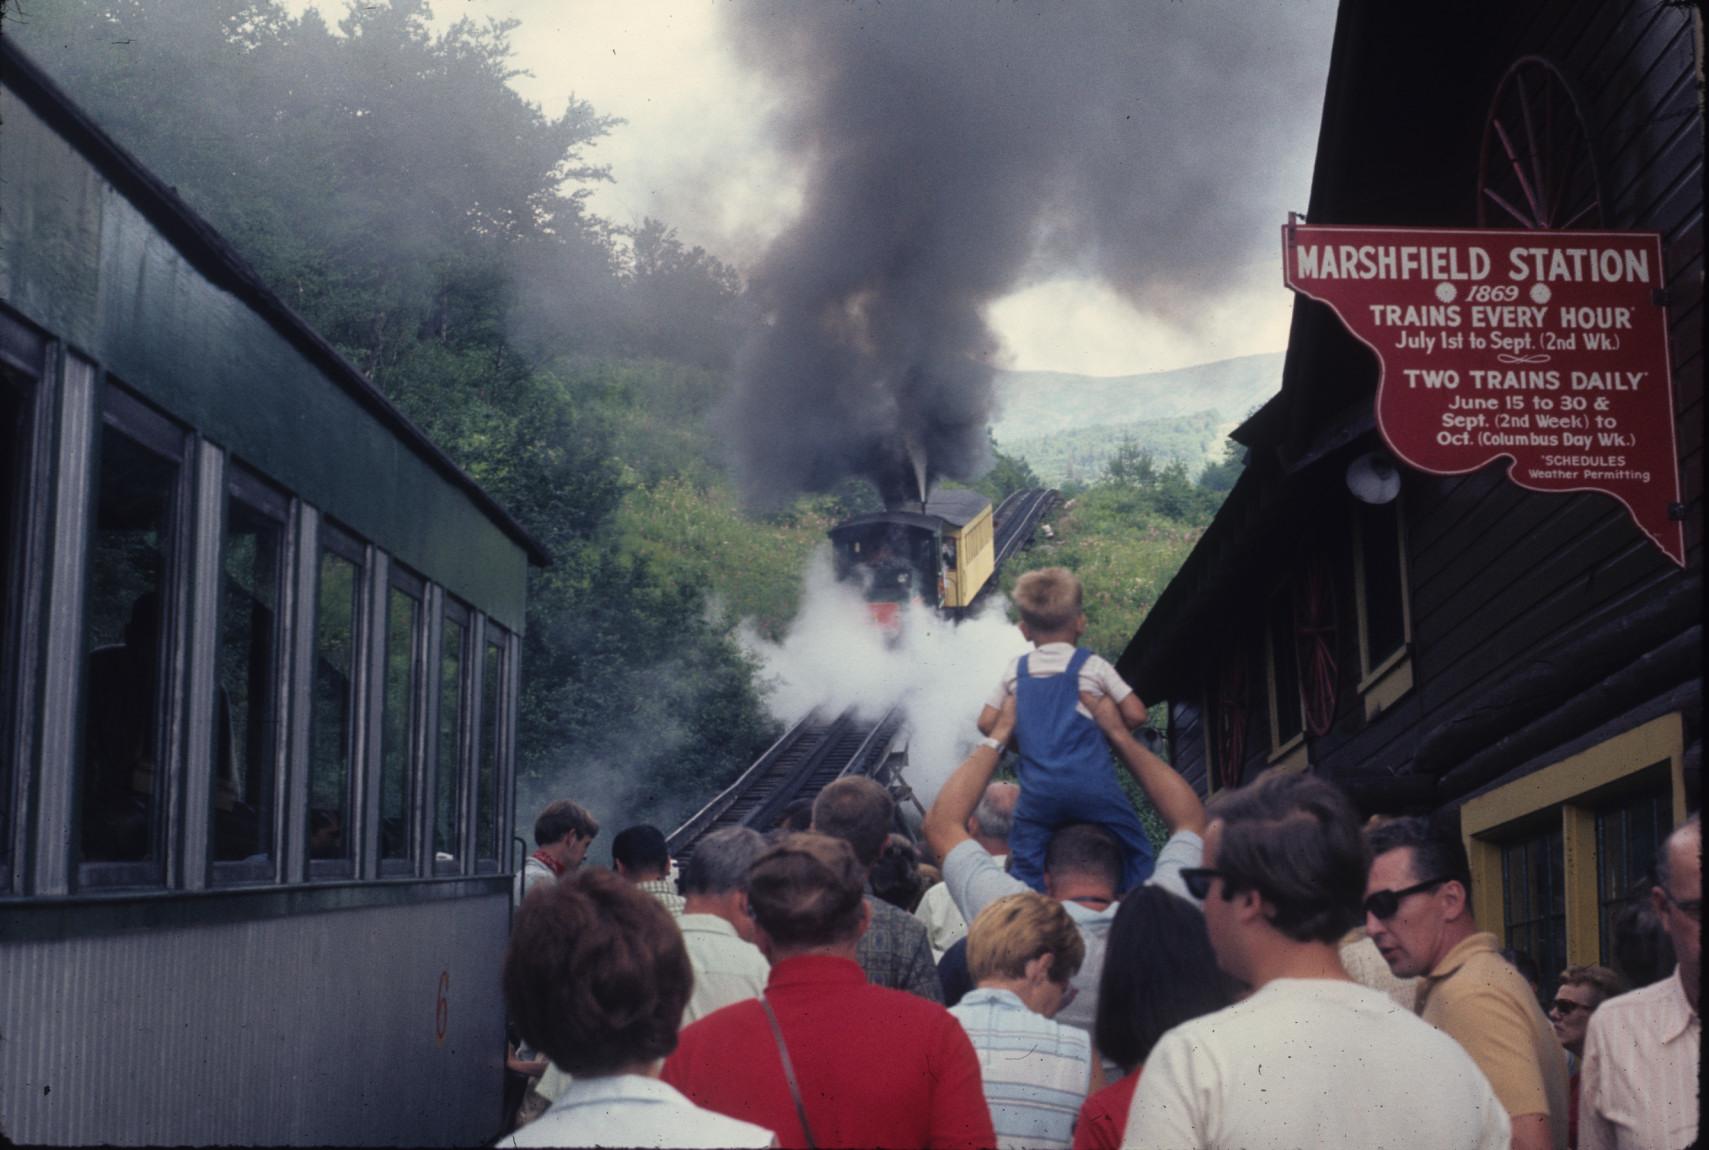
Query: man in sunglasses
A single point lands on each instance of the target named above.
(1638, 1086)
(1418, 910)
(1310, 1058)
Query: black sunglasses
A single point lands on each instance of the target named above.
(1385, 903)
(1198, 880)
(1565, 1006)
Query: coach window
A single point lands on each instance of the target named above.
(246, 704)
(134, 557)
(400, 737)
(453, 724)
(1287, 710)
(16, 392)
(493, 699)
(1384, 613)
(332, 719)
(1559, 852)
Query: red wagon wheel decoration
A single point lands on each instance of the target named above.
(1537, 168)
(1231, 721)
(1315, 635)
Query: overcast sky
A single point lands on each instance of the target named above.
(702, 149)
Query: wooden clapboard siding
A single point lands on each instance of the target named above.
(1187, 743)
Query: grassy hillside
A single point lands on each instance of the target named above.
(1079, 455)
(1067, 427)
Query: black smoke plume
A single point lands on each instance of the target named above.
(956, 151)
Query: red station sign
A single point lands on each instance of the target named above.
(1546, 348)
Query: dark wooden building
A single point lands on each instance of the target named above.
(1531, 661)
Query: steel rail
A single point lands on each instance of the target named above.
(809, 755)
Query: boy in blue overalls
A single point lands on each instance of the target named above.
(1066, 776)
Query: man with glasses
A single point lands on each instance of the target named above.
(1418, 910)
(1310, 1058)
(1641, 1050)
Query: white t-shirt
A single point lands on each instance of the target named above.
(630, 1110)
(726, 969)
(1097, 676)
(1314, 1062)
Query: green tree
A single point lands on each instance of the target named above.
(1220, 476)
(1009, 474)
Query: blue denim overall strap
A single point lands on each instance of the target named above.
(1053, 735)
(1066, 777)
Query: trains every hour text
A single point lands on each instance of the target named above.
(1583, 318)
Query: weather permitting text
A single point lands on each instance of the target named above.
(1548, 348)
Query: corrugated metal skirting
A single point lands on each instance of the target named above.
(380, 1026)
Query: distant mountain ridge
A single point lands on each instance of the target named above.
(1065, 426)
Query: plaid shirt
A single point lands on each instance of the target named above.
(896, 952)
(664, 890)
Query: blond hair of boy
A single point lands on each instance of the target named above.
(1050, 602)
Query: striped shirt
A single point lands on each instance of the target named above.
(1036, 1071)
(1639, 1080)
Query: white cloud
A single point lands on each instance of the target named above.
(1086, 327)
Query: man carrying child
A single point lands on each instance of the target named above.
(1065, 771)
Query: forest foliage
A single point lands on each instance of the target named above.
(392, 188)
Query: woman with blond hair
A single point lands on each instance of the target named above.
(1021, 952)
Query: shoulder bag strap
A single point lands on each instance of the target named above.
(788, 1071)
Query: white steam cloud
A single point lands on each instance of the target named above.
(835, 657)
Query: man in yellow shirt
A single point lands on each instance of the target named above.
(1418, 911)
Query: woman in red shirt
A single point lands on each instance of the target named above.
(1159, 971)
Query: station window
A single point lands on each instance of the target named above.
(246, 707)
(493, 698)
(1384, 614)
(1287, 708)
(133, 562)
(1557, 853)
(1534, 904)
(1628, 834)
(400, 742)
(453, 724)
(332, 720)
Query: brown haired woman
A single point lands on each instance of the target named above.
(597, 978)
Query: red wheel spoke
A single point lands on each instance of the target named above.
(1510, 209)
(1592, 206)
(1518, 174)
(1541, 203)
(1563, 174)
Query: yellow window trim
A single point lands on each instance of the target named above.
(1292, 758)
(1568, 785)
(1385, 686)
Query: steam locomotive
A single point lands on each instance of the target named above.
(939, 553)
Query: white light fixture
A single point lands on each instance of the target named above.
(1373, 478)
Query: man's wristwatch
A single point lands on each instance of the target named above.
(988, 741)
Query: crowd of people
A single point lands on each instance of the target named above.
(1274, 974)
